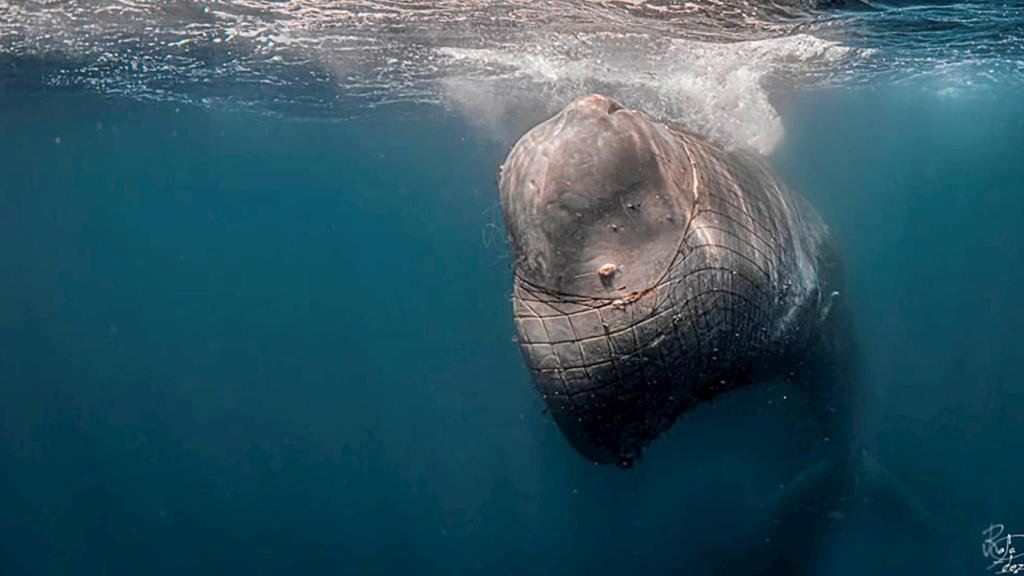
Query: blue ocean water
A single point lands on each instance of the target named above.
(254, 303)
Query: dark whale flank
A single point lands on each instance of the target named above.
(653, 271)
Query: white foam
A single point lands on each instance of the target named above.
(713, 88)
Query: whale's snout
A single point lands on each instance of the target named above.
(596, 202)
(652, 272)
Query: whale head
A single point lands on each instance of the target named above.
(596, 202)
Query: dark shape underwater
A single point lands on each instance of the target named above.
(655, 271)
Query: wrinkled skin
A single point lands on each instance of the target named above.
(654, 271)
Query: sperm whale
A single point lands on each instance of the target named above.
(655, 270)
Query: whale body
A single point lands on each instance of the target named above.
(655, 270)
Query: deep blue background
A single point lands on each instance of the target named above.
(235, 343)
